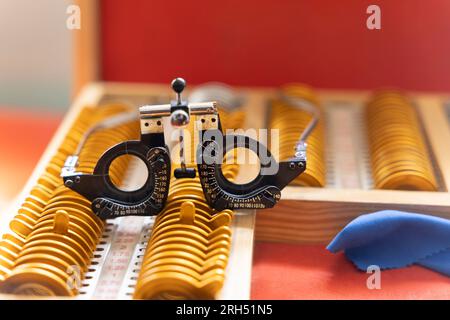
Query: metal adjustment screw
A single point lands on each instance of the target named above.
(77, 179)
(292, 165)
(179, 118)
(68, 183)
(300, 150)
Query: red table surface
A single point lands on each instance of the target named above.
(280, 271)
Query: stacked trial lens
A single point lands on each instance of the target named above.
(188, 251)
(55, 232)
(291, 121)
(399, 154)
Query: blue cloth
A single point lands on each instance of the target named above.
(395, 239)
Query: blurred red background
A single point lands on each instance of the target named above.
(264, 42)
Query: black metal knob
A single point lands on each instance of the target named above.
(178, 85)
(180, 173)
